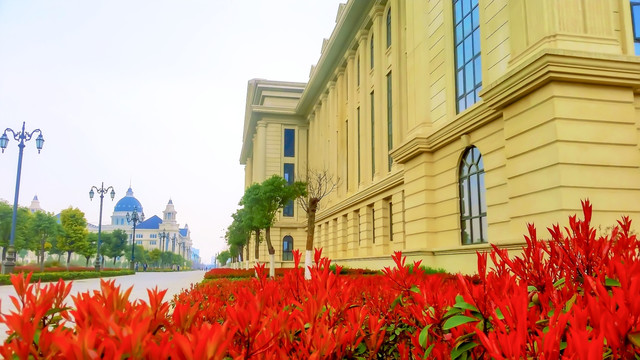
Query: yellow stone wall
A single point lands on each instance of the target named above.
(558, 122)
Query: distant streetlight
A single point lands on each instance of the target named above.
(134, 218)
(163, 236)
(22, 137)
(100, 191)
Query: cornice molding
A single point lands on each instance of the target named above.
(562, 65)
(389, 182)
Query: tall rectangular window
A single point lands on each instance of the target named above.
(371, 53)
(373, 136)
(358, 70)
(389, 119)
(635, 19)
(358, 110)
(289, 142)
(467, 52)
(390, 221)
(288, 172)
(346, 143)
(373, 225)
(389, 28)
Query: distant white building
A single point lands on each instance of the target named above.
(154, 232)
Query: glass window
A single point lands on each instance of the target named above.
(358, 113)
(287, 248)
(635, 19)
(467, 52)
(373, 136)
(388, 28)
(373, 225)
(390, 221)
(346, 143)
(371, 48)
(288, 176)
(358, 70)
(289, 142)
(389, 119)
(473, 207)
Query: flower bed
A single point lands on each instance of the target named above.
(67, 275)
(36, 268)
(573, 297)
(224, 273)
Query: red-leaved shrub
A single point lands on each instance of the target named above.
(573, 297)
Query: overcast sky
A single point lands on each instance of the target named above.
(146, 92)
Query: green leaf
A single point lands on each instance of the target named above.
(531, 288)
(461, 304)
(461, 349)
(415, 289)
(428, 352)
(558, 283)
(570, 303)
(457, 320)
(611, 282)
(499, 314)
(634, 337)
(453, 311)
(422, 339)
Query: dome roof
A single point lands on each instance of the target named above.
(128, 203)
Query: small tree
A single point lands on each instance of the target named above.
(114, 244)
(319, 185)
(223, 257)
(44, 229)
(89, 248)
(74, 237)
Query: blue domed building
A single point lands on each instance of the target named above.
(125, 205)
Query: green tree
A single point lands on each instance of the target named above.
(238, 234)
(319, 185)
(44, 229)
(74, 237)
(89, 249)
(114, 244)
(154, 257)
(223, 257)
(263, 202)
(22, 239)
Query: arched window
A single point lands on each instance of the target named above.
(388, 28)
(371, 52)
(473, 204)
(287, 248)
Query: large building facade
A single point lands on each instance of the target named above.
(452, 124)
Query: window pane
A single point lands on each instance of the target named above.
(476, 233)
(483, 200)
(468, 78)
(458, 11)
(288, 173)
(468, 50)
(466, 6)
(475, 18)
(458, 33)
(466, 232)
(477, 67)
(473, 198)
(460, 56)
(635, 9)
(476, 42)
(467, 25)
(288, 210)
(464, 198)
(289, 142)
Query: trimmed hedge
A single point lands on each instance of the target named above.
(55, 276)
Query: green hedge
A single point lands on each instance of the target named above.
(55, 276)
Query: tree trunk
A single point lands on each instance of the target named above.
(257, 247)
(68, 259)
(42, 254)
(246, 265)
(311, 228)
(87, 264)
(4, 253)
(272, 253)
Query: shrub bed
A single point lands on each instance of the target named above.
(36, 268)
(574, 297)
(224, 273)
(66, 275)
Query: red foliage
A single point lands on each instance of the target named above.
(573, 297)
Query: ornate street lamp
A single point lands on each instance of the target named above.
(134, 218)
(22, 137)
(163, 236)
(100, 191)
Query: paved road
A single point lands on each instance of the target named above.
(174, 282)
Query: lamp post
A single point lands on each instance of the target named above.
(135, 218)
(22, 137)
(162, 235)
(100, 191)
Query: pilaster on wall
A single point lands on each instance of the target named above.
(260, 153)
(353, 235)
(568, 142)
(569, 24)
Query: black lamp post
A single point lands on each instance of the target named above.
(100, 191)
(135, 218)
(21, 136)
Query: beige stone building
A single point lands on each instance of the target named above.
(452, 124)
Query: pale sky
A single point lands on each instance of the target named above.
(146, 92)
